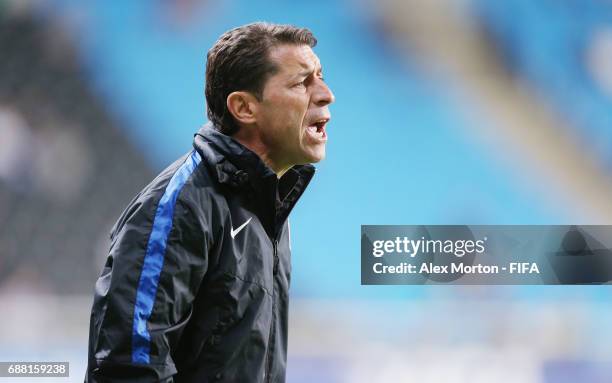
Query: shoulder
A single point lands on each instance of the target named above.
(186, 177)
(184, 187)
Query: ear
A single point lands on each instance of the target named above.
(242, 105)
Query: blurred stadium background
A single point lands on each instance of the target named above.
(455, 111)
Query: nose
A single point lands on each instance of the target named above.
(323, 95)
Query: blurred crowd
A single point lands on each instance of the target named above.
(65, 167)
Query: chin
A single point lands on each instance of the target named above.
(315, 157)
(310, 155)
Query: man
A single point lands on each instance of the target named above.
(195, 287)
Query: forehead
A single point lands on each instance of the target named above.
(291, 59)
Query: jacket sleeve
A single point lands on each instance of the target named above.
(143, 297)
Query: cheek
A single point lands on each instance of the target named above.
(298, 111)
(290, 107)
(284, 113)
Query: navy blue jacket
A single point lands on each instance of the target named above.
(195, 286)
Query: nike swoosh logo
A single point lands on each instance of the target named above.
(237, 230)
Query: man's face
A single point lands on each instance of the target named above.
(294, 110)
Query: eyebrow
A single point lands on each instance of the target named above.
(304, 73)
(307, 72)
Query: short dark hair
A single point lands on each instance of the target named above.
(239, 61)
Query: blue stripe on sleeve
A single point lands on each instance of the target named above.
(154, 260)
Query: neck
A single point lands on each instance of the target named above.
(255, 144)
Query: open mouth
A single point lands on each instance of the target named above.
(317, 129)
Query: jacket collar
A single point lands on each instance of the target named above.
(233, 164)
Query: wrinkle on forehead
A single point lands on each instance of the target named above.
(291, 58)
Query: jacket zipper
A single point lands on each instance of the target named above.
(271, 336)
